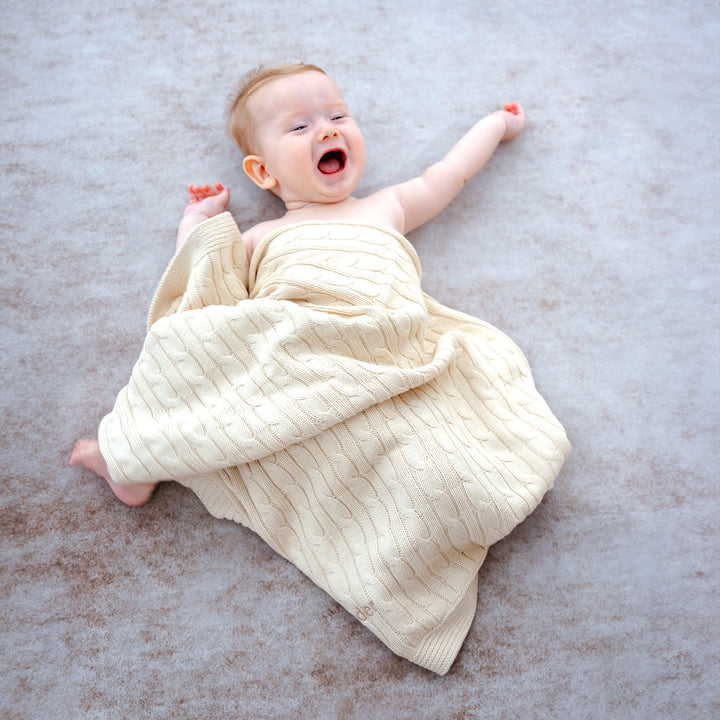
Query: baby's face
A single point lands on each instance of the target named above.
(307, 141)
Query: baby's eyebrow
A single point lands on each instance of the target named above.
(289, 117)
(293, 115)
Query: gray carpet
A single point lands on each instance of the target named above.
(592, 240)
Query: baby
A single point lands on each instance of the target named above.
(301, 143)
(297, 378)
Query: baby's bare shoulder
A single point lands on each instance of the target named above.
(253, 235)
(382, 208)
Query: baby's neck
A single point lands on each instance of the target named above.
(298, 211)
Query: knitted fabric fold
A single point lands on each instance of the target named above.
(375, 438)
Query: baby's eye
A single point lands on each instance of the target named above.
(298, 127)
(337, 117)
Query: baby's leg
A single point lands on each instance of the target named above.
(87, 453)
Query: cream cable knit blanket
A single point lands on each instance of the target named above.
(375, 438)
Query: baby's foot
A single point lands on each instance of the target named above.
(204, 200)
(87, 453)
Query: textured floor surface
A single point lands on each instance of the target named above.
(592, 240)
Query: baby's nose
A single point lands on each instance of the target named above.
(327, 131)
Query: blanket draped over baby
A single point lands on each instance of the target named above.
(377, 439)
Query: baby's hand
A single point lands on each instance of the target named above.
(204, 200)
(514, 117)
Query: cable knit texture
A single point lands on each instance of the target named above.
(377, 439)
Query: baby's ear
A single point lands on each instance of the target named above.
(255, 169)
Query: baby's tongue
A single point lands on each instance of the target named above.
(329, 163)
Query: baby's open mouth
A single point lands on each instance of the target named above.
(331, 162)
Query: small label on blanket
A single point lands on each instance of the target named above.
(366, 612)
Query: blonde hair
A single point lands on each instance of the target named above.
(240, 122)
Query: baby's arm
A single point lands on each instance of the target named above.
(203, 202)
(425, 196)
